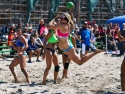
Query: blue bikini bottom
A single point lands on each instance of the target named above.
(70, 47)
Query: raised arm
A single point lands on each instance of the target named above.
(71, 13)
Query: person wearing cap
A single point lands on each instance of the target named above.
(5, 29)
(84, 36)
(11, 34)
(12, 29)
(30, 30)
(63, 30)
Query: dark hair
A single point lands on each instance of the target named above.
(18, 26)
(31, 37)
(18, 29)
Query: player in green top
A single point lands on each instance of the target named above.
(51, 55)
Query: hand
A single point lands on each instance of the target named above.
(57, 17)
(71, 9)
(82, 40)
(117, 29)
(43, 57)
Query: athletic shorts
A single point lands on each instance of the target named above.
(85, 48)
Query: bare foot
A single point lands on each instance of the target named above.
(43, 83)
(66, 77)
(1, 56)
(60, 80)
(16, 81)
(55, 82)
(29, 82)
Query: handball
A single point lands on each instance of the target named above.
(70, 5)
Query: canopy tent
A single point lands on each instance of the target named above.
(119, 20)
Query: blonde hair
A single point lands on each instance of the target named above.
(70, 23)
(41, 20)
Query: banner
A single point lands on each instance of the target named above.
(91, 5)
(112, 4)
(30, 4)
(54, 7)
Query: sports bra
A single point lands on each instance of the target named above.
(19, 43)
(53, 38)
(62, 35)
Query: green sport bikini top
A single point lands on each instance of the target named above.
(70, 38)
(53, 38)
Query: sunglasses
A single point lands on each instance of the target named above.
(63, 17)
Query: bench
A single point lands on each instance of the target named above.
(97, 44)
(4, 43)
(6, 49)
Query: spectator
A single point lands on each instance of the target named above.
(19, 25)
(11, 35)
(93, 39)
(26, 30)
(32, 49)
(84, 35)
(12, 29)
(100, 29)
(38, 42)
(27, 25)
(41, 28)
(111, 43)
(5, 29)
(96, 31)
(109, 28)
(31, 31)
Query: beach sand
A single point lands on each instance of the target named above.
(99, 75)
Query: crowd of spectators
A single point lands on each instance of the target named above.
(35, 37)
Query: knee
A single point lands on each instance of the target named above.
(10, 67)
(48, 68)
(66, 65)
(37, 50)
(31, 52)
(23, 70)
(57, 68)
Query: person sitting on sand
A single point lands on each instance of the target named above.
(21, 46)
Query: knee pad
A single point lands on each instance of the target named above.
(66, 65)
(57, 68)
